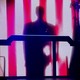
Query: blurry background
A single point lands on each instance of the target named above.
(15, 13)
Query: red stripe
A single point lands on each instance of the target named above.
(27, 11)
(11, 49)
(59, 8)
(63, 69)
(43, 4)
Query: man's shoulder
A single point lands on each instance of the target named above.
(29, 24)
(49, 25)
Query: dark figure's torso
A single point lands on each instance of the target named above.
(35, 58)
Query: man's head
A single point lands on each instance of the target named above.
(40, 12)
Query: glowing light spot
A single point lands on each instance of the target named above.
(46, 50)
(57, 68)
(48, 70)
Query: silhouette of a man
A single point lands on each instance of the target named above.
(35, 59)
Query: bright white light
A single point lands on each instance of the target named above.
(51, 18)
(46, 50)
(67, 19)
(34, 4)
(48, 70)
(3, 34)
(64, 48)
(57, 68)
(19, 25)
(51, 12)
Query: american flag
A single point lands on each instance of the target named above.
(15, 13)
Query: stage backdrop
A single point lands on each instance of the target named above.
(15, 13)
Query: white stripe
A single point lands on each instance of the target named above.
(19, 25)
(50, 16)
(51, 12)
(34, 4)
(57, 68)
(48, 70)
(64, 48)
(3, 32)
